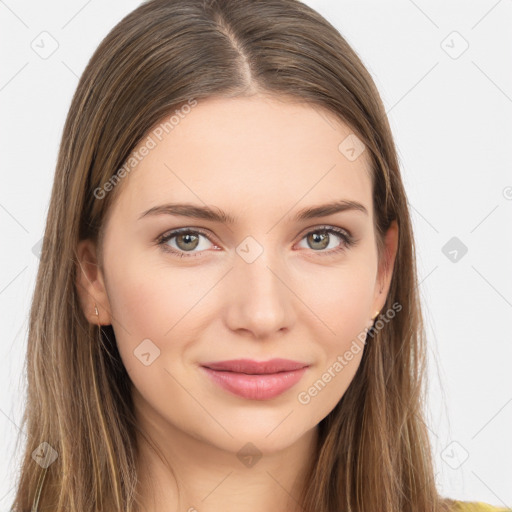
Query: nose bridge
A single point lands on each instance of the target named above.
(261, 302)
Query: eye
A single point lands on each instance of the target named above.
(184, 241)
(322, 238)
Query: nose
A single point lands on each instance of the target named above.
(260, 300)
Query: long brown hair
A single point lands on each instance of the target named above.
(374, 452)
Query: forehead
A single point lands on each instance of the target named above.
(249, 153)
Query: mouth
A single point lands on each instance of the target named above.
(255, 380)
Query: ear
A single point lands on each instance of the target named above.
(386, 266)
(90, 284)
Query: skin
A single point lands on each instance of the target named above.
(261, 160)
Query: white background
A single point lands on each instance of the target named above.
(452, 121)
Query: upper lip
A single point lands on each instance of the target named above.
(256, 367)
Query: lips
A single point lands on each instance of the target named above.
(255, 367)
(255, 380)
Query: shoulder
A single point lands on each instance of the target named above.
(476, 506)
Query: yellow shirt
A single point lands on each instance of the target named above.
(476, 506)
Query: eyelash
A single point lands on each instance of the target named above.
(347, 238)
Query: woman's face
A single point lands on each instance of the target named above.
(268, 282)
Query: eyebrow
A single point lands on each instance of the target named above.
(218, 215)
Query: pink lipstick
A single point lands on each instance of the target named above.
(256, 380)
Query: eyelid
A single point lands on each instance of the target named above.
(348, 239)
(171, 233)
(208, 234)
(321, 227)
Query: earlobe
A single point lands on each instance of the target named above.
(90, 284)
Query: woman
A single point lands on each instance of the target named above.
(275, 363)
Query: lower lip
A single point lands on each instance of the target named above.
(256, 387)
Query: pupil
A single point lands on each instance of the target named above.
(322, 239)
(187, 239)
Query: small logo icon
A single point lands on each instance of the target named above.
(454, 249)
(146, 352)
(454, 455)
(249, 249)
(507, 193)
(36, 250)
(45, 45)
(249, 455)
(454, 45)
(351, 147)
(44, 455)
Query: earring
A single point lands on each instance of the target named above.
(97, 313)
(371, 320)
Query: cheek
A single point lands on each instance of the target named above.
(340, 299)
(147, 305)
(147, 295)
(152, 331)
